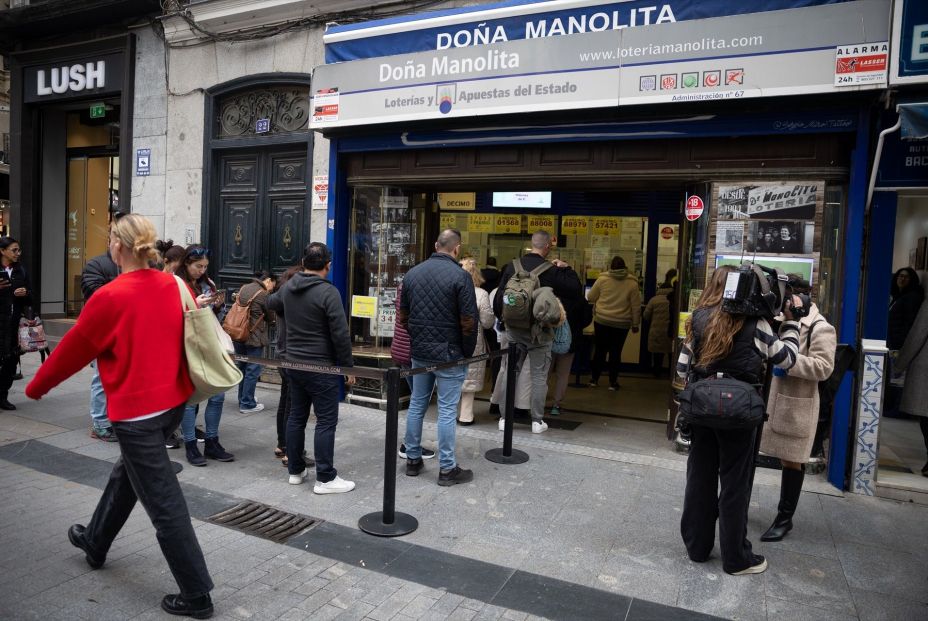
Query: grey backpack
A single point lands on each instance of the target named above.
(519, 295)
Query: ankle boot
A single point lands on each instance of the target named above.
(213, 450)
(790, 488)
(193, 454)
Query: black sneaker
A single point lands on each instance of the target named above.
(197, 607)
(78, 539)
(454, 476)
(426, 453)
(413, 467)
(758, 566)
(173, 442)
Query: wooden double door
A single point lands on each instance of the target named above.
(261, 218)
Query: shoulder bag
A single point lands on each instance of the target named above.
(207, 348)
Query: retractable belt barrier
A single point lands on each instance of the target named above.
(389, 522)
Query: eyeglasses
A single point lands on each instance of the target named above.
(15, 250)
(199, 252)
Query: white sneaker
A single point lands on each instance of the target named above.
(258, 407)
(539, 427)
(502, 424)
(296, 479)
(337, 485)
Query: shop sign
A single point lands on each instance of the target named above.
(449, 221)
(774, 198)
(457, 201)
(790, 52)
(910, 42)
(508, 223)
(73, 78)
(542, 223)
(142, 162)
(480, 222)
(364, 306)
(575, 225)
(607, 226)
(904, 163)
(530, 20)
(694, 208)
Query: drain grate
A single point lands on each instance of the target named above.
(261, 520)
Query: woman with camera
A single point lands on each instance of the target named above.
(793, 408)
(735, 346)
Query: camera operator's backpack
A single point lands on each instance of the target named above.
(519, 295)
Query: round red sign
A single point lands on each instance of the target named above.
(694, 208)
(667, 232)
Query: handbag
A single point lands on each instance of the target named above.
(721, 402)
(32, 335)
(562, 339)
(206, 346)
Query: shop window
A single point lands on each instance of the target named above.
(828, 297)
(263, 111)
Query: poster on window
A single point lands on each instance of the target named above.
(384, 319)
(779, 237)
(762, 201)
(729, 236)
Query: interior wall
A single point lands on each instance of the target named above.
(54, 211)
(911, 224)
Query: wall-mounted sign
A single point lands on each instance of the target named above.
(910, 42)
(865, 63)
(694, 208)
(99, 75)
(775, 53)
(262, 126)
(142, 162)
(457, 201)
(575, 225)
(508, 223)
(97, 110)
(320, 191)
(480, 222)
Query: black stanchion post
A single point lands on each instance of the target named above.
(507, 455)
(389, 523)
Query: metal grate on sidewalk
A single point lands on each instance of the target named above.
(261, 520)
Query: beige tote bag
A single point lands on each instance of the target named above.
(211, 368)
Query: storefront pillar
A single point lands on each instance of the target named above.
(850, 326)
(338, 223)
(881, 231)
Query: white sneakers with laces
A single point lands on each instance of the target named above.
(539, 427)
(297, 479)
(258, 408)
(337, 485)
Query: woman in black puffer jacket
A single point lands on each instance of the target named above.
(15, 295)
(906, 297)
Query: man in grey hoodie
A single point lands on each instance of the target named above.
(317, 333)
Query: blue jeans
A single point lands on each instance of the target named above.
(320, 391)
(210, 418)
(449, 382)
(246, 389)
(97, 400)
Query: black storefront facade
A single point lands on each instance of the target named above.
(402, 137)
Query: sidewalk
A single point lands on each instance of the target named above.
(574, 533)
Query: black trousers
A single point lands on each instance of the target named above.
(7, 371)
(321, 392)
(923, 423)
(610, 341)
(492, 345)
(283, 408)
(144, 473)
(719, 457)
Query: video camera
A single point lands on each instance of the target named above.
(758, 291)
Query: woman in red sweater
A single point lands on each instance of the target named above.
(134, 328)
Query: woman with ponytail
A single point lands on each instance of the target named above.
(134, 328)
(736, 346)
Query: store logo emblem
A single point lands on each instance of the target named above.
(711, 79)
(647, 83)
(690, 80)
(445, 95)
(668, 81)
(734, 76)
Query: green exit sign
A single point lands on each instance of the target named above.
(97, 110)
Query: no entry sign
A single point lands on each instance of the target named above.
(694, 208)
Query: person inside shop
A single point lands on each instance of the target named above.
(658, 314)
(912, 360)
(738, 347)
(906, 296)
(793, 408)
(490, 276)
(616, 302)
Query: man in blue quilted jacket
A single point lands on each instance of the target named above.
(439, 310)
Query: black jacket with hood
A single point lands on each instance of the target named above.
(317, 328)
(99, 271)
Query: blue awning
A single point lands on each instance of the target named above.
(914, 119)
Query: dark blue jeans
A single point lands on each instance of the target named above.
(251, 372)
(143, 473)
(320, 391)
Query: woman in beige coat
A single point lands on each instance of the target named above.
(473, 381)
(793, 410)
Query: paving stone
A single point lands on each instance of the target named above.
(785, 610)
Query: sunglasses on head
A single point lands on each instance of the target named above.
(199, 252)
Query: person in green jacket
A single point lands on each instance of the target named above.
(616, 304)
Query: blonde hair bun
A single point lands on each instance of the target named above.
(137, 232)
